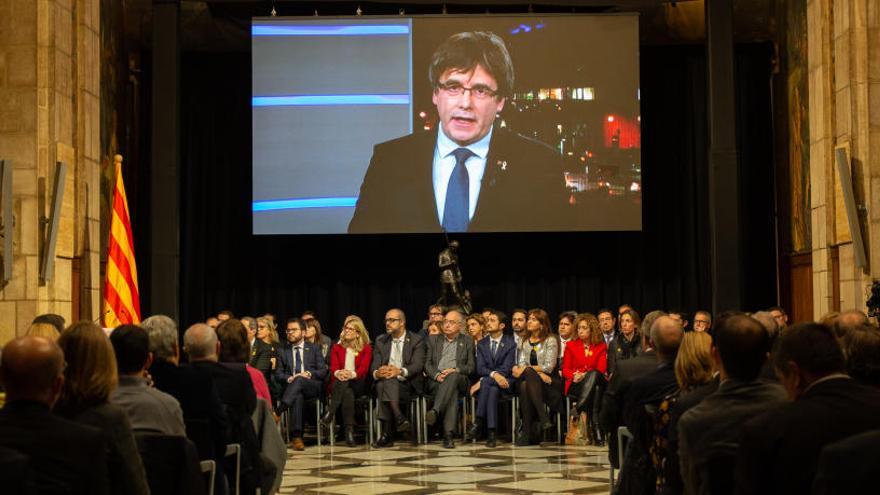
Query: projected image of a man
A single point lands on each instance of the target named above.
(469, 175)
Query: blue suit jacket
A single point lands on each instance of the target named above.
(505, 357)
(313, 362)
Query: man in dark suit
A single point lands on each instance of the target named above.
(496, 355)
(468, 176)
(398, 361)
(710, 430)
(64, 457)
(779, 450)
(450, 360)
(236, 391)
(195, 391)
(849, 465)
(302, 369)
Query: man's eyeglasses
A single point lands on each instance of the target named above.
(391, 320)
(451, 322)
(479, 91)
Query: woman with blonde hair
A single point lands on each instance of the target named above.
(695, 373)
(349, 369)
(89, 378)
(45, 330)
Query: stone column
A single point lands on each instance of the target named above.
(844, 55)
(49, 111)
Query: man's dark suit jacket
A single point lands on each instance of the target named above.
(780, 449)
(523, 188)
(413, 354)
(198, 397)
(849, 466)
(611, 415)
(313, 362)
(65, 457)
(464, 354)
(504, 360)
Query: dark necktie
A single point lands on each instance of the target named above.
(456, 212)
(494, 348)
(297, 359)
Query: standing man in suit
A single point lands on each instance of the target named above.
(496, 355)
(302, 372)
(450, 362)
(398, 361)
(64, 457)
(468, 176)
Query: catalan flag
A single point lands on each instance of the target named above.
(121, 300)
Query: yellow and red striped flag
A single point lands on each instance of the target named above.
(121, 300)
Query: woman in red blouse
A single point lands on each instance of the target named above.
(584, 367)
(349, 369)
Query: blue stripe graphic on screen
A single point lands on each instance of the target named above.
(298, 204)
(313, 100)
(329, 30)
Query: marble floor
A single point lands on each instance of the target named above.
(469, 469)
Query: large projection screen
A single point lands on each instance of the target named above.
(446, 123)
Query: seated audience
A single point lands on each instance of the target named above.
(398, 361)
(225, 315)
(236, 391)
(538, 382)
(680, 316)
(694, 373)
(780, 316)
(645, 394)
(766, 319)
(234, 349)
(708, 434)
(434, 328)
(196, 392)
(611, 412)
(148, 408)
(449, 363)
(89, 378)
(779, 449)
(861, 346)
(849, 465)
(496, 355)
(584, 369)
(476, 327)
(349, 371)
(250, 324)
(212, 321)
(301, 371)
(264, 348)
(67, 457)
(848, 320)
(435, 315)
(702, 321)
(518, 325)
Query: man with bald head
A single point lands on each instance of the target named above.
(450, 360)
(64, 456)
(649, 390)
(398, 360)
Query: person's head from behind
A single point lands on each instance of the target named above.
(647, 323)
(741, 347)
(849, 320)
(766, 319)
(666, 335)
(702, 321)
(805, 353)
(164, 343)
(212, 321)
(31, 369)
(91, 373)
(234, 344)
(131, 345)
(861, 347)
(680, 316)
(471, 75)
(56, 321)
(200, 343)
(693, 364)
(45, 330)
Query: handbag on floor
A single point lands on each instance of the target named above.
(577, 433)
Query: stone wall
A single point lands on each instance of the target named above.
(49, 111)
(844, 78)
